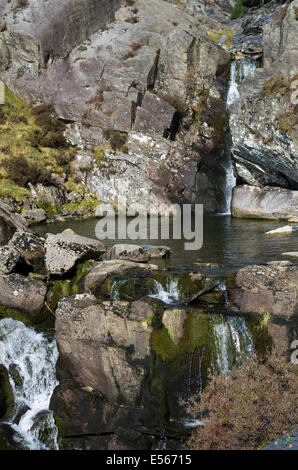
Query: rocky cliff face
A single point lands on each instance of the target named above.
(263, 121)
(148, 90)
(142, 88)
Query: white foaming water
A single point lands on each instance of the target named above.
(240, 69)
(33, 358)
(233, 343)
(168, 294)
(233, 93)
(222, 287)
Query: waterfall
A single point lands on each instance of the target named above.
(233, 93)
(233, 342)
(240, 69)
(30, 359)
(169, 294)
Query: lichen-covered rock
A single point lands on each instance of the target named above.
(65, 249)
(9, 259)
(271, 289)
(94, 338)
(30, 246)
(34, 216)
(266, 203)
(22, 294)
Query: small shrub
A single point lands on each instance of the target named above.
(117, 139)
(21, 171)
(51, 133)
(247, 408)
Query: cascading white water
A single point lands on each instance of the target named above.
(233, 342)
(33, 358)
(240, 70)
(169, 294)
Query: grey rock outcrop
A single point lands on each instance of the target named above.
(267, 203)
(22, 294)
(65, 249)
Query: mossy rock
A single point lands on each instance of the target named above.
(196, 334)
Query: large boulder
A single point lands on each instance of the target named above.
(173, 320)
(267, 289)
(94, 339)
(22, 294)
(65, 249)
(266, 203)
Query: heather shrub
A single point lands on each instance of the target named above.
(51, 130)
(22, 171)
(247, 408)
(117, 139)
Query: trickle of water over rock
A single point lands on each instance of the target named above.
(169, 294)
(233, 342)
(240, 69)
(30, 359)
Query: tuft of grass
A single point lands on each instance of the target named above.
(238, 10)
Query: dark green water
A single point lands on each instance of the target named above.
(227, 241)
